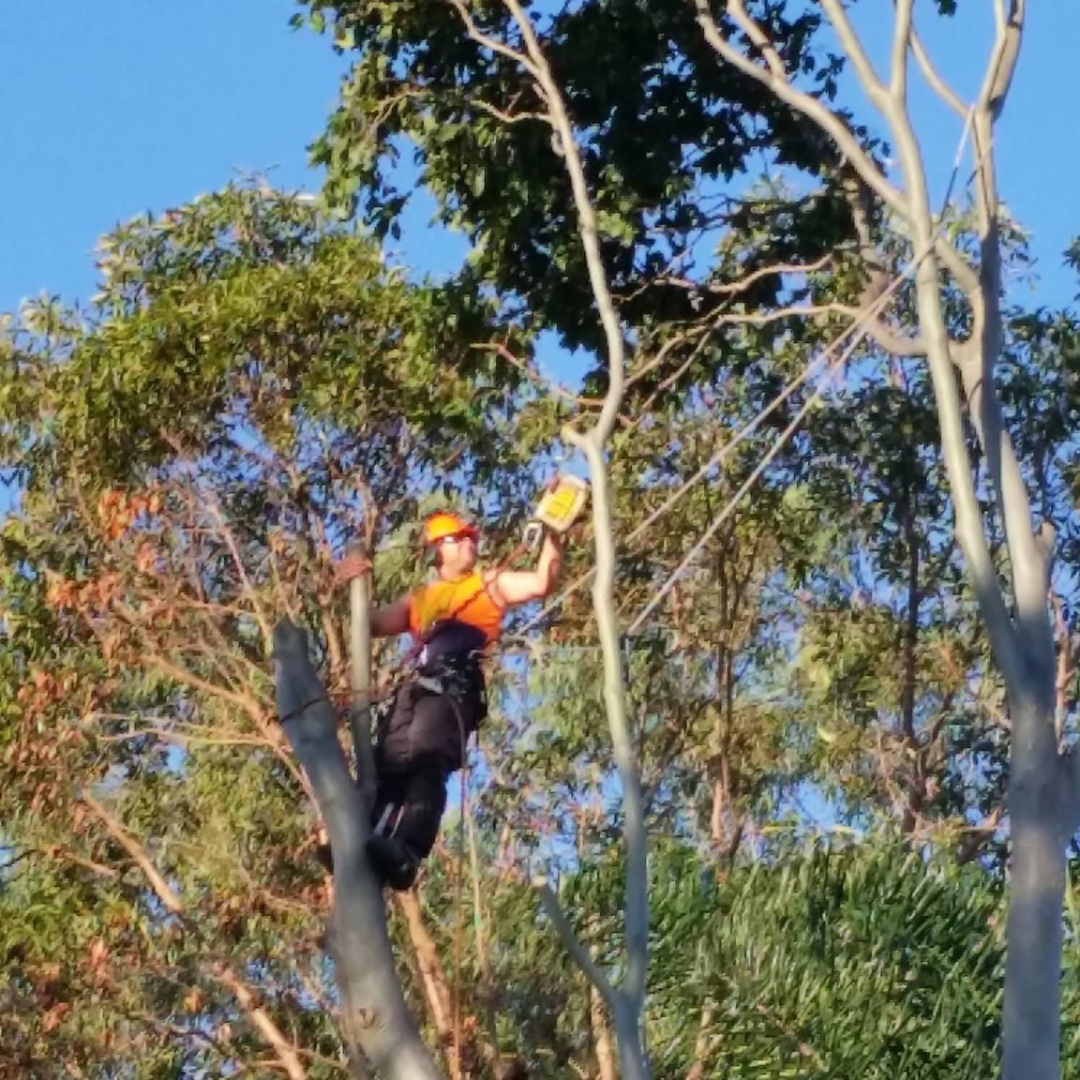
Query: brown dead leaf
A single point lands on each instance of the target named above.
(52, 1018)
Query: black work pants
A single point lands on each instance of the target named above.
(421, 743)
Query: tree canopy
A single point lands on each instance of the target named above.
(816, 710)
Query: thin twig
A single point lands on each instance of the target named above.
(573, 944)
(540, 380)
(488, 42)
(262, 1021)
(137, 852)
(777, 81)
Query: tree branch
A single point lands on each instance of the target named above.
(540, 380)
(488, 42)
(850, 43)
(702, 1043)
(933, 77)
(137, 852)
(587, 227)
(809, 106)
(375, 1015)
(858, 196)
(262, 1021)
(1002, 66)
(573, 944)
(832, 125)
(627, 1004)
(1027, 559)
(901, 43)
(939, 353)
(360, 673)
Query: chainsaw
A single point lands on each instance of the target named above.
(559, 507)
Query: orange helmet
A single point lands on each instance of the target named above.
(443, 524)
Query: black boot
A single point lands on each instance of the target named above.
(405, 825)
(391, 859)
(395, 863)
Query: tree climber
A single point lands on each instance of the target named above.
(422, 731)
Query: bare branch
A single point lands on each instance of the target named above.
(214, 507)
(262, 1021)
(540, 380)
(376, 1017)
(1002, 66)
(587, 226)
(601, 1032)
(1028, 562)
(966, 278)
(507, 117)
(137, 852)
(360, 673)
(703, 1042)
(901, 43)
(428, 963)
(940, 356)
(849, 41)
(975, 836)
(488, 42)
(100, 869)
(859, 202)
(933, 77)
(627, 1006)
(809, 106)
(573, 944)
(759, 39)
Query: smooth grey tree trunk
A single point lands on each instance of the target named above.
(374, 1013)
(1041, 822)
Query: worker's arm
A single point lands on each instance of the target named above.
(522, 586)
(388, 621)
(391, 620)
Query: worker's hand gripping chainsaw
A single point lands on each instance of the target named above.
(558, 509)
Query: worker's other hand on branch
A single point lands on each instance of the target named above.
(354, 565)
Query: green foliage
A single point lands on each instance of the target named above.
(254, 385)
(661, 124)
(249, 313)
(250, 388)
(827, 960)
(864, 961)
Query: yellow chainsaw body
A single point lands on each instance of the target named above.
(560, 506)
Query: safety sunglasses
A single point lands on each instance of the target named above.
(454, 538)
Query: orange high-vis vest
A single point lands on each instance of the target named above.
(465, 600)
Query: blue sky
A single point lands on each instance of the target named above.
(117, 107)
(110, 109)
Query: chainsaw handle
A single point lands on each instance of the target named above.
(534, 533)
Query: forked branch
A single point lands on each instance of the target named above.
(628, 1000)
(285, 1051)
(914, 208)
(775, 79)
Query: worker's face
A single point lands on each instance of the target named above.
(457, 554)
